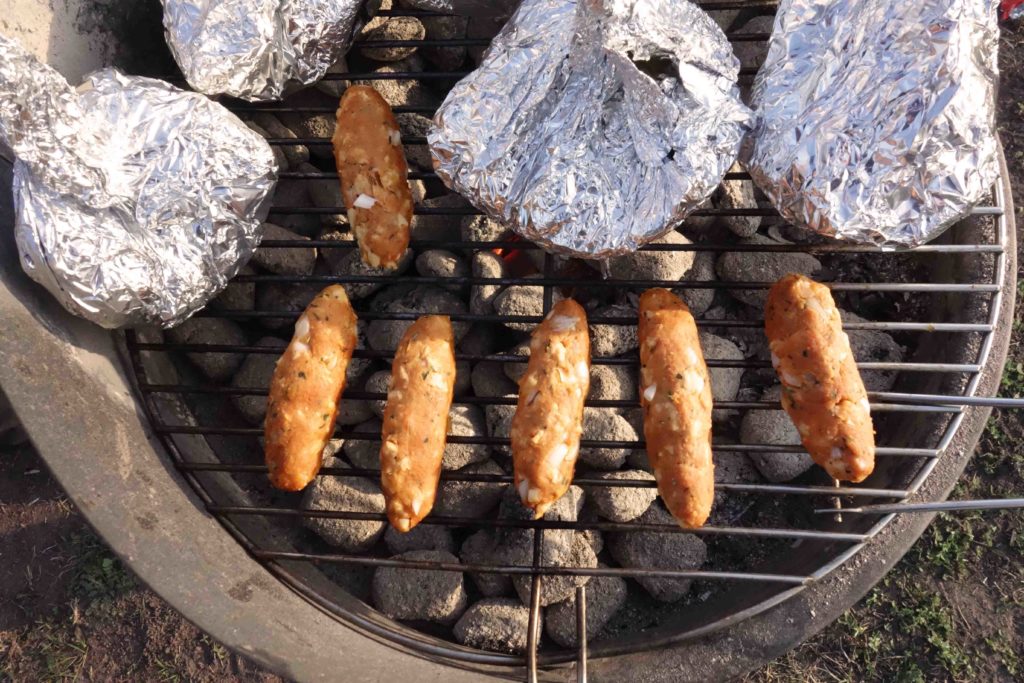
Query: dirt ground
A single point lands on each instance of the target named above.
(951, 610)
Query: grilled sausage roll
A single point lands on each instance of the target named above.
(416, 420)
(675, 393)
(374, 176)
(548, 421)
(305, 389)
(821, 388)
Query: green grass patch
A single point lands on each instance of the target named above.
(1003, 649)
(926, 617)
(956, 540)
(1012, 385)
(166, 672)
(50, 651)
(905, 632)
(99, 575)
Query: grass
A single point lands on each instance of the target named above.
(900, 612)
(952, 546)
(166, 672)
(1013, 380)
(106, 605)
(53, 650)
(98, 574)
(217, 651)
(64, 655)
(926, 617)
(1003, 649)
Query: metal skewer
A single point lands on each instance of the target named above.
(837, 502)
(581, 634)
(533, 626)
(943, 506)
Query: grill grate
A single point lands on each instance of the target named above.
(939, 388)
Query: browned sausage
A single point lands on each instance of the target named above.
(675, 393)
(548, 421)
(374, 176)
(821, 387)
(416, 420)
(305, 389)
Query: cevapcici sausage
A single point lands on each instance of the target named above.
(416, 420)
(675, 393)
(305, 389)
(374, 176)
(821, 388)
(546, 428)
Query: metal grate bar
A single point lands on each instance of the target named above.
(252, 108)
(420, 210)
(440, 520)
(451, 75)
(537, 571)
(880, 451)
(746, 488)
(597, 360)
(707, 5)
(407, 141)
(914, 287)
(582, 480)
(715, 247)
(426, 42)
(397, 75)
(599, 320)
(510, 400)
(914, 399)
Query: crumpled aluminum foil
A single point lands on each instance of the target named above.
(561, 136)
(876, 119)
(135, 202)
(257, 49)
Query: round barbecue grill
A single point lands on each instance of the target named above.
(171, 475)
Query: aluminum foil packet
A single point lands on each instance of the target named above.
(594, 126)
(258, 49)
(876, 119)
(135, 202)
